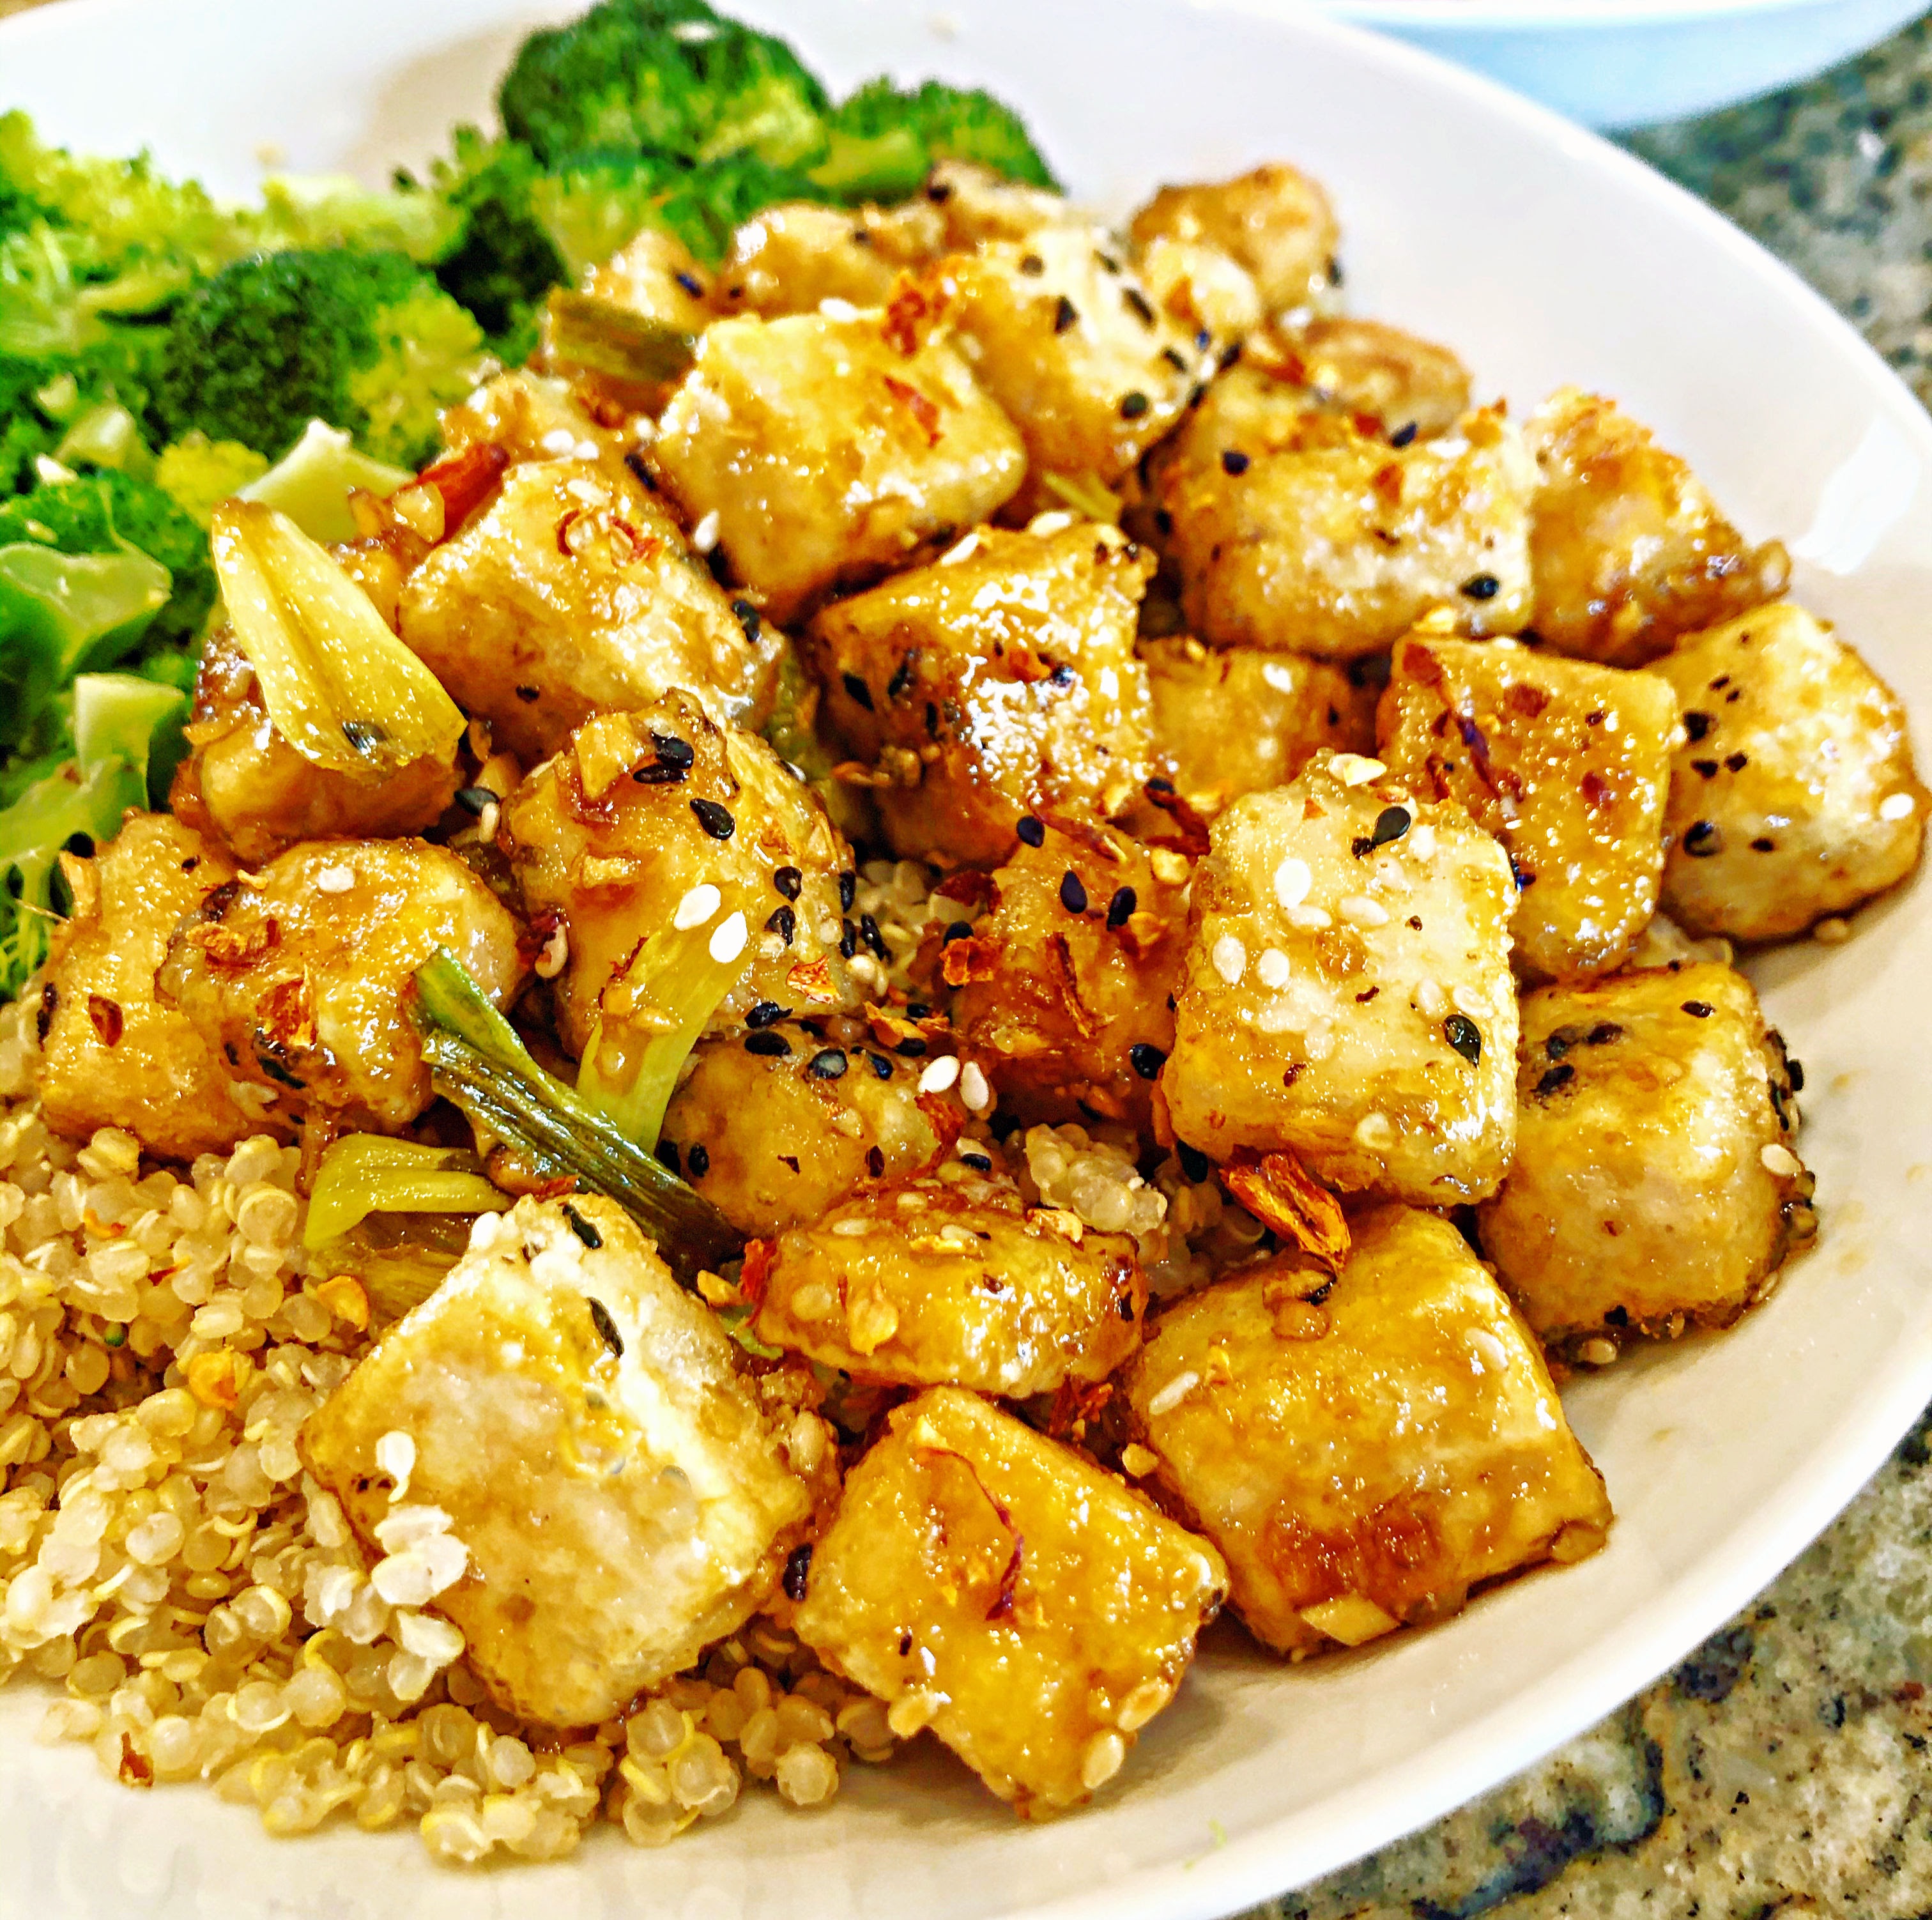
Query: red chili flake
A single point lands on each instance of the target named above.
(1281, 1193)
(463, 480)
(922, 409)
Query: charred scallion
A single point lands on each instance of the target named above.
(594, 336)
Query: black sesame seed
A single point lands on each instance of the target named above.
(797, 1569)
(1120, 908)
(848, 940)
(875, 1161)
(1031, 830)
(668, 1154)
(716, 821)
(528, 694)
(848, 890)
(698, 1159)
(582, 1227)
(1403, 434)
(783, 922)
(1707, 768)
(763, 1015)
(882, 1067)
(1795, 1069)
(1065, 315)
(1699, 1010)
(1603, 1034)
(749, 619)
(913, 1048)
(659, 774)
(1133, 405)
(1232, 462)
(1480, 586)
(690, 283)
(897, 687)
(959, 930)
(1062, 675)
(1736, 762)
(978, 1162)
(771, 1046)
(1697, 725)
(474, 799)
(1523, 876)
(1465, 1037)
(789, 881)
(1764, 844)
(860, 693)
(607, 1328)
(1138, 300)
(1391, 824)
(1194, 1163)
(916, 1009)
(1701, 839)
(875, 941)
(1174, 358)
(828, 1064)
(1072, 892)
(1557, 1077)
(1147, 1060)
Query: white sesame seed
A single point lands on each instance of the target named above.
(1171, 1396)
(1309, 919)
(1281, 678)
(586, 450)
(1781, 1161)
(335, 880)
(486, 820)
(1832, 931)
(1896, 806)
(1599, 1352)
(974, 1089)
(1044, 525)
(1422, 840)
(939, 1075)
(696, 906)
(851, 1229)
(556, 954)
(1292, 880)
(1359, 911)
(1431, 1002)
(643, 429)
(704, 535)
(396, 1455)
(728, 941)
(833, 308)
(960, 550)
(1272, 967)
(558, 442)
(1373, 1131)
(1230, 958)
(1353, 770)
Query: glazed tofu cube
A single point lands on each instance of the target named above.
(1064, 986)
(977, 204)
(1030, 1609)
(585, 1424)
(823, 455)
(1201, 289)
(930, 1281)
(301, 974)
(1364, 368)
(1628, 550)
(1230, 721)
(1347, 991)
(1059, 330)
(1275, 221)
(111, 1054)
(614, 840)
(778, 1125)
(790, 257)
(1318, 537)
(531, 416)
(1567, 764)
(1363, 1455)
(1793, 794)
(1001, 679)
(1654, 1181)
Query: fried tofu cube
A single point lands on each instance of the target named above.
(586, 1427)
(573, 593)
(1001, 679)
(530, 416)
(1567, 763)
(1347, 993)
(1201, 289)
(1627, 549)
(1029, 1608)
(824, 456)
(1230, 721)
(977, 204)
(111, 1054)
(1059, 331)
(1654, 1181)
(789, 258)
(1274, 220)
(1366, 367)
(929, 1281)
(1064, 985)
(1365, 1454)
(1793, 794)
(777, 1126)
(614, 840)
(301, 975)
(1313, 536)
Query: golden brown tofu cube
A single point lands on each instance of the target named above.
(1030, 1609)
(244, 786)
(932, 1282)
(532, 416)
(1366, 1454)
(1000, 679)
(586, 1426)
(1793, 794)
(1567, 764)
(776, 1126)
(822, 455)
(1059, 331)
(573, 593)
(613, 839)
(1347, 991)
(789, 258)
(1201, 289)
(111, 1054)
(1064, 985)
(977, 204)
(1275, 221)
(1326, 540)
(1654, 1181)
(658, 276)
(301, 974)
(1365, 367)
(1627, 549)
(1230, 721)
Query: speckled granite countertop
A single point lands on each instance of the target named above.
(1786, 1767)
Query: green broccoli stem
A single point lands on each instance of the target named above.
(476, 1061)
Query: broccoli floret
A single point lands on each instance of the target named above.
(42, 401)
(665, 76)
(197, 473)
(503, 261)
(883, 142)
(366, 341)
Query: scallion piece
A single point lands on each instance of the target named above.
(600, 336)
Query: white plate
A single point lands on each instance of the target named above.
(1543, 256)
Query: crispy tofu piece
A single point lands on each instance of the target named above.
(1032, 1610)
(787, 1120)
(1230, 721)
(587, 1427)
(1366, 367)
(532, 416)
(1347, 991)
(1627, 549)
(977, 204)
(573, 593)
(1000, 679)
(1366, 1454)
(1793, 794)
(243, 785)
(1064, 985)
(1310, 535)
(612, 835)
(1275, 221)
(1655, 1181)
(789, 258)
(655, 274)
(932, 1282)
(111, 1054)
(828, 455)
(1059, 331)
(1567, 763)
(299, 975)
(1203, 290)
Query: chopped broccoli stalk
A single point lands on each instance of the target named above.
(883, 142)
(41, 398)
(331, 210)
(476, 1061)
(365, 341)
(107, 436)
(312, 482)
(61, 611)
(197, 474)
(363, 1174)
(600, 336)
